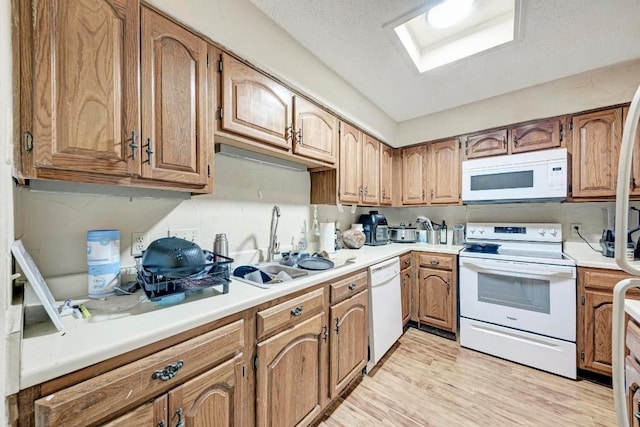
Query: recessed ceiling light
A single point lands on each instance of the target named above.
(449, 12)
(453, 30)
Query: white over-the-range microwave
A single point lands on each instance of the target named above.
(537, 176)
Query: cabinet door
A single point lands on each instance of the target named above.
(597, 327)
(255, 106)
(414, 167)
(86, 109)
(596, 146)
(350, 164)
(141, 416)
(289, 377)
(316, 132)
(386, 175)
(213, 398)
(405, 293)
(349, 340)
(444, 172)
(174, 102)
(535, 136)
(486, 144)
(635, 166)
(370, 171)
(436, 299)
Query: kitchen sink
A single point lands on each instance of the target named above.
(279, 274)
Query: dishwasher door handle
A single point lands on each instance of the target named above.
(384, 277)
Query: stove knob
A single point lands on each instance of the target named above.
(472, 230)
(541, 231)
(553, 232)
(481, 231)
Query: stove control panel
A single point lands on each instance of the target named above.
(528, 232)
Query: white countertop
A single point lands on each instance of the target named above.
(584, 256)
(121, 323)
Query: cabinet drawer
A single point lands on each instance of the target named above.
(348, 286)
(405, 261)
(100, 397)
(441, 262)
(289, 313)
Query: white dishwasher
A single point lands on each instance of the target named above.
(385, 309)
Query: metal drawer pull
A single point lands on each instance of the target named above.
(352, 286)
(180, 420)
(435, 262)
(297, 311)
(168, 372)
(407, 262)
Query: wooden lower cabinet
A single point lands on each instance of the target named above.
(199, 381)
(435, 291)
(289, 375)
(595, 314)
(406, 284)
(349, 341)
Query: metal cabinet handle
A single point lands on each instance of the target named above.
(134, 145)
(149, 150)
(431, 194)
(435, 262)
(325, 332)
(515, 141)
(299, 139)
(637, 415)
(423, 194)
(289, 133)
(168, 372)
(352, 286)
(180, 420)
(160, 423)
(407, 262)
(297, 311)
(504, 142)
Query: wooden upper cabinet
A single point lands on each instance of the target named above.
(254, 105)
(315, 132)
(85, 93)
(370, 170)
(486, 144)
(386, 175)
(414, 169)
(596, 147)
(444, 172)
(350, 164)
(535, 136)
(635, 166)
(174, 102)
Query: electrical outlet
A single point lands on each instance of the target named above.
(138, 243)
(575, 229)
(190, 234)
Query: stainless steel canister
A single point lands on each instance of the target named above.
(221, 246)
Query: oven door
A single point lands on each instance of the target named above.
(538, 298)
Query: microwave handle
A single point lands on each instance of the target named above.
(539, 270)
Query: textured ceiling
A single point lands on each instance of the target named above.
(558, 38)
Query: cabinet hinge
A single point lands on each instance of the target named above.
(581, 354)
(582, 300)
(255, 363)
(220, 113)
(243, 370)
(561, 129)
(220, 64)
(460, 145)
(207, 60)
(571, 125)
(208, 171)
(337, 325)
(28, 142)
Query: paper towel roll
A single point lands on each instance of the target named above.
(327, 237)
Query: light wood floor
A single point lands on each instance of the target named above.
(427, 380)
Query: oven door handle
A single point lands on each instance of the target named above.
(518, 268)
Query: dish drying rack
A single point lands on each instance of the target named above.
(170, 285)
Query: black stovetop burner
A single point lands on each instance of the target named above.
(165, 286)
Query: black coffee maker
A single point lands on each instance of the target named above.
(608, 240)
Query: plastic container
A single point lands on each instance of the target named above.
(103, 262)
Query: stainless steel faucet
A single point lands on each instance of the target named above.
(274, 246)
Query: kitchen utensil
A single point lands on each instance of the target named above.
(174, 257)
(315, 263)
(433, 237)
(458, 234)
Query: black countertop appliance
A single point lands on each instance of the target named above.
(375, 227)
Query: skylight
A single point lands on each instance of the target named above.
(454, 29)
